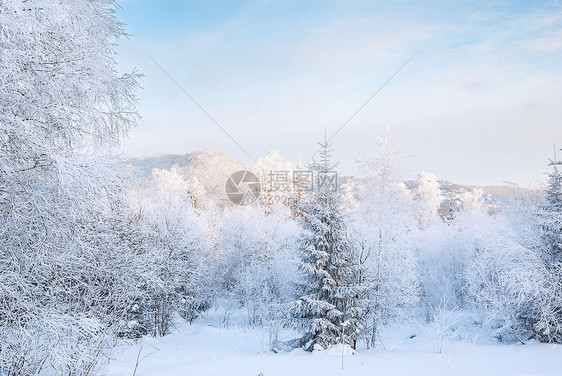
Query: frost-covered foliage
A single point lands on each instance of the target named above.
(327, 309)
(60, 87)
(274, 189)
(428, 199)
(446, 247)
(551, 216)
(64, 257)
(508, 275)
(257, 261)
(383, 230)
(548, 316)
(171, 254)
(65, 271)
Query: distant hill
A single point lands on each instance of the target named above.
(142, 166)
(212, 168)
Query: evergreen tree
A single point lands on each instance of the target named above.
(552, 215)
(546, 312)
(327, 309)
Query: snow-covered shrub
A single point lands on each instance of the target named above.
(510, 277)
(171, 254)
(258, 263)
(445, 248)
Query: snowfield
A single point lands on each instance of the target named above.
(202, 349)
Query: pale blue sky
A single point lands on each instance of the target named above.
(480, 102)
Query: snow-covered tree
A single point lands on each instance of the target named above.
(327, 309)
(173, 250)
(548, 309)
(510, 273)
(303, 180)
(502, 277)
(383, 227)
(428, 198)
(551, 215)
(65, 266)
(275, 177)
(258, 261)
(446, 248)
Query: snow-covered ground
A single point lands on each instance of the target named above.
(203, 349)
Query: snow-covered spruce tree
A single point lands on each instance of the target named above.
(547, 313)
(63, 265)
(551, 216)
(327, 309)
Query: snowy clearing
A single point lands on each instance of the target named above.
(202, 349)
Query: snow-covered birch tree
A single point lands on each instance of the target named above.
(64, 266)
(383, 227)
